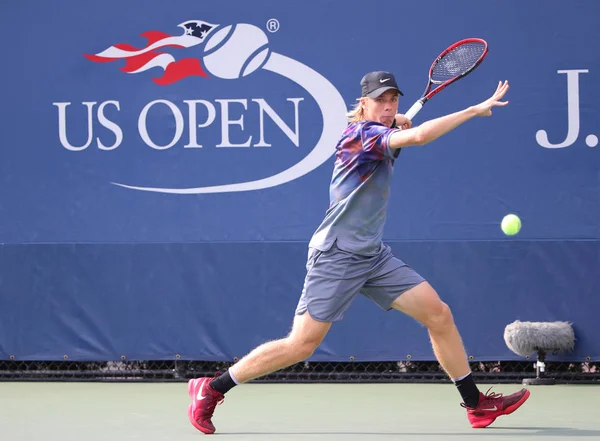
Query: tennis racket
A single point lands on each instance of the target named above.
(454, 63)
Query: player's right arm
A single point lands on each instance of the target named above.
(433, 129)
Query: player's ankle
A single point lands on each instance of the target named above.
(468, 390)
(224, 383)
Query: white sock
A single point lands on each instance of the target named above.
(233, 378)
(454, 380)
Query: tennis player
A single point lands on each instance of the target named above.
(347, 257)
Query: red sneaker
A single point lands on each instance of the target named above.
(493, 405)
(204, 400)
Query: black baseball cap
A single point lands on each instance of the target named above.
(374, 84)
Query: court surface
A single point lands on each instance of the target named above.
(157, 411)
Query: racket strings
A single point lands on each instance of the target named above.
(456, 62)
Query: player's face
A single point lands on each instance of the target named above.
(382, 109)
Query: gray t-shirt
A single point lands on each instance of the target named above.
(359, 190)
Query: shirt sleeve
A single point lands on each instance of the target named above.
(375, 141)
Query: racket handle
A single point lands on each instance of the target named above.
(416, 107)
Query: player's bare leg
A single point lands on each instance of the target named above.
(306, 335)
(423, 304)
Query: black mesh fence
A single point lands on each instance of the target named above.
(391, 371)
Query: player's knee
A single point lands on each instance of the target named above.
(305, 349)
(439, 317)
(302, 348)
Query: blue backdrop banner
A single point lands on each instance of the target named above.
(164, 167)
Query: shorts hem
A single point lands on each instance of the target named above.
(389, 307)
(318, 319)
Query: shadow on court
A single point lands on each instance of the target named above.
(549, 431)
(563, 432)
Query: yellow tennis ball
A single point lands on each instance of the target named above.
(511, 224)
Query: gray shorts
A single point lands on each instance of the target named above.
(335, 277)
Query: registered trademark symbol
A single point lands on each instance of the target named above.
(273, 25)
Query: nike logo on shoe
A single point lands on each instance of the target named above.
(200, 396)
(491, 409)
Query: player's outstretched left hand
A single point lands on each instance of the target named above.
(485, 108)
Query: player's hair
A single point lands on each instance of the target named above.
(357, 113)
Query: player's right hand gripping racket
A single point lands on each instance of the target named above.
(454, 63)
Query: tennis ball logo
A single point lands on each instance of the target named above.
(236, 51)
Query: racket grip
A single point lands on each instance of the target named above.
(416, 107)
